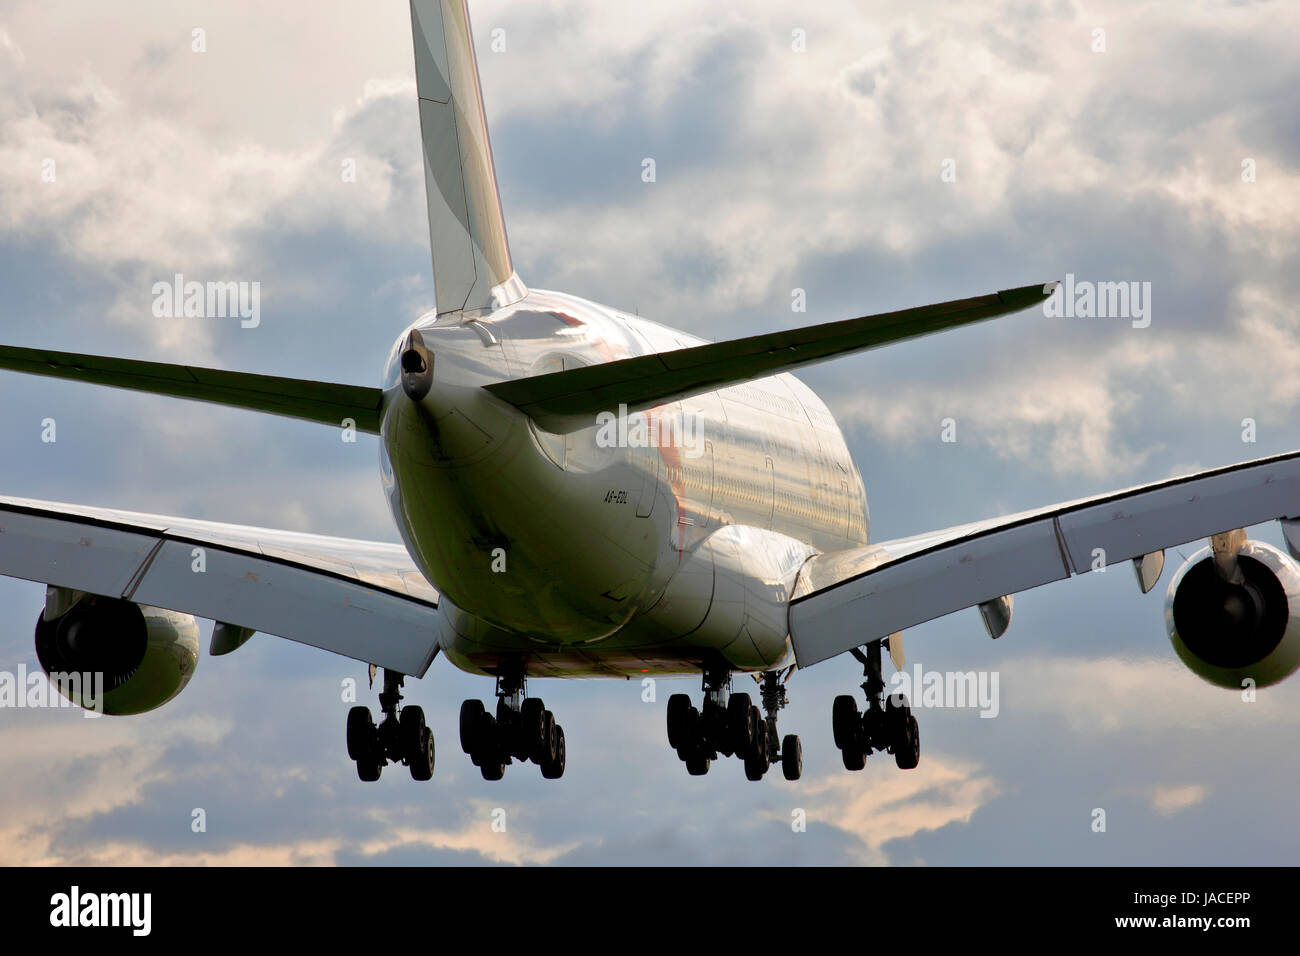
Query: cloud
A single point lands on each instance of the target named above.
(1108, 695)
(53, 760)
(882, 805)
(1169, 800)
(777, 170)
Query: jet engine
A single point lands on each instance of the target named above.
(1233, 613)
(113, 656)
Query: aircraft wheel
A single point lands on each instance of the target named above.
(908, 754)
(471, 718)
(410, 731)
(844, 721)
(532, 722)
(679, 720)
(758, 734)
(361, 732)
(553, 769)
(740, 724)
(791, 757)
(854, 759)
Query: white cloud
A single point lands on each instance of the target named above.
(1169, 800)
(1113, 694)
(881, 804)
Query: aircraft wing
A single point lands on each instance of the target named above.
(566, 401)
(846, 598)
(361, 599)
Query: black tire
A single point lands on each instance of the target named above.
(548, 753)
(791, 757)
(854, 759)
(369, 768)
(758, 730)
(410, 732)
(494, 770)
(697, 765)
(532, 726)
(487, 745)
(471, 717)
(755, 767)
(422, 763)
(679, 721)
(692, 735)
(845, 722)
(909, 755)
(361, 733)
(554, 769)
(895, 728)
(740, 729)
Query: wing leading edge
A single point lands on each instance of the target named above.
(361, 599)
(847, 598)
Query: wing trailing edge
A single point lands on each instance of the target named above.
(846, 598)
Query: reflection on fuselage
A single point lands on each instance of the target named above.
(578, 558)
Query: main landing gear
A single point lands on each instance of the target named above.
(730, 724)
(522, 729)
(886, 725)
(401, 737)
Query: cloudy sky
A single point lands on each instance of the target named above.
(1118, 141)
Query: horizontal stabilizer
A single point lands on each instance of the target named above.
(321, 402)
(566, 401)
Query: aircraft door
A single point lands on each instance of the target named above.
(649, 458)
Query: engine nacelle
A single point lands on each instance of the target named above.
(136, 657)
(1229, 633)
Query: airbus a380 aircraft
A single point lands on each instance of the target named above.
(584, 493)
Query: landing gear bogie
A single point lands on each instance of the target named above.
(729, 724)
(521, 729)
(886, 726)
(402, 736)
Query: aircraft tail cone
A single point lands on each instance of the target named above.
(417, 367)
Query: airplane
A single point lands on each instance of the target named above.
(584, 493)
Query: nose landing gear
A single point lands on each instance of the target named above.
(886, 725)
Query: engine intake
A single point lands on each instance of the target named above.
(1230, 632)
(142, 656)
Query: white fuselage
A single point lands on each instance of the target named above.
(651, 544)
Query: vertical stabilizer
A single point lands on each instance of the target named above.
(467, 234)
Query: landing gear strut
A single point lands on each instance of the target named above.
(790, 752)
(886, 725)
(727, 724)
(522, 729)
(401, 737)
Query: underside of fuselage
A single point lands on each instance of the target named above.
(644, 544)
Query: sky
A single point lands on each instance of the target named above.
(874, 156)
